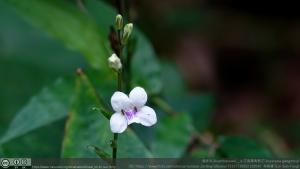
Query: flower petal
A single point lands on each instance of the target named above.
(133, 120)
(138, 96)
(146, 116)
(118, 123)
(120, 101)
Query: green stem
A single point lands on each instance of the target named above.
(115, 140)
(119, 35)
(115, 148)
(120, 6)
(119, 87)
(127, 70)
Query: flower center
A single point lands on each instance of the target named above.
(130, 114)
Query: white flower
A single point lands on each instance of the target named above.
(131, 109)
(114, 62)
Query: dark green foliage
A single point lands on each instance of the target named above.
(69, 117)
(241, 147)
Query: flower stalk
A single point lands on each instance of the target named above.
(119, 26)
(116, 61)
(115, 139)
(115, 148)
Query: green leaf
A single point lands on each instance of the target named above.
(27, 58)
(130, 146)
(1, 152)
(83, 126)
(170, 73)
(199, 105)
(68, 24)
(97, 9)
(36, 143)
(86, 127)
(102, 154)
(172, 136)
(241, 147)
(200, 153)
(145, 66)
(50, 105)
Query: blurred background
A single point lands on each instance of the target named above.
(246, 53)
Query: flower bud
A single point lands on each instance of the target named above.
(127, 32)
(119, 22)
(114, 62)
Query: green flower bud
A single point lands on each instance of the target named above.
(119, 22)
(127, 32)
(114, 62)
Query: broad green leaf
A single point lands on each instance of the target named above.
(86, 127)
(27, 63)
(97, 9)
(1, 152)
(170, 73)
(102, 154)
(50, 105)
(68, 24)
(43, 142)
(145, 66)
(27, 58)
(199, 105)
(83, 127)
(200, 153)
(130, 146)
(296, 152)
(103, 82)
(241, 147)
(172, 136)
